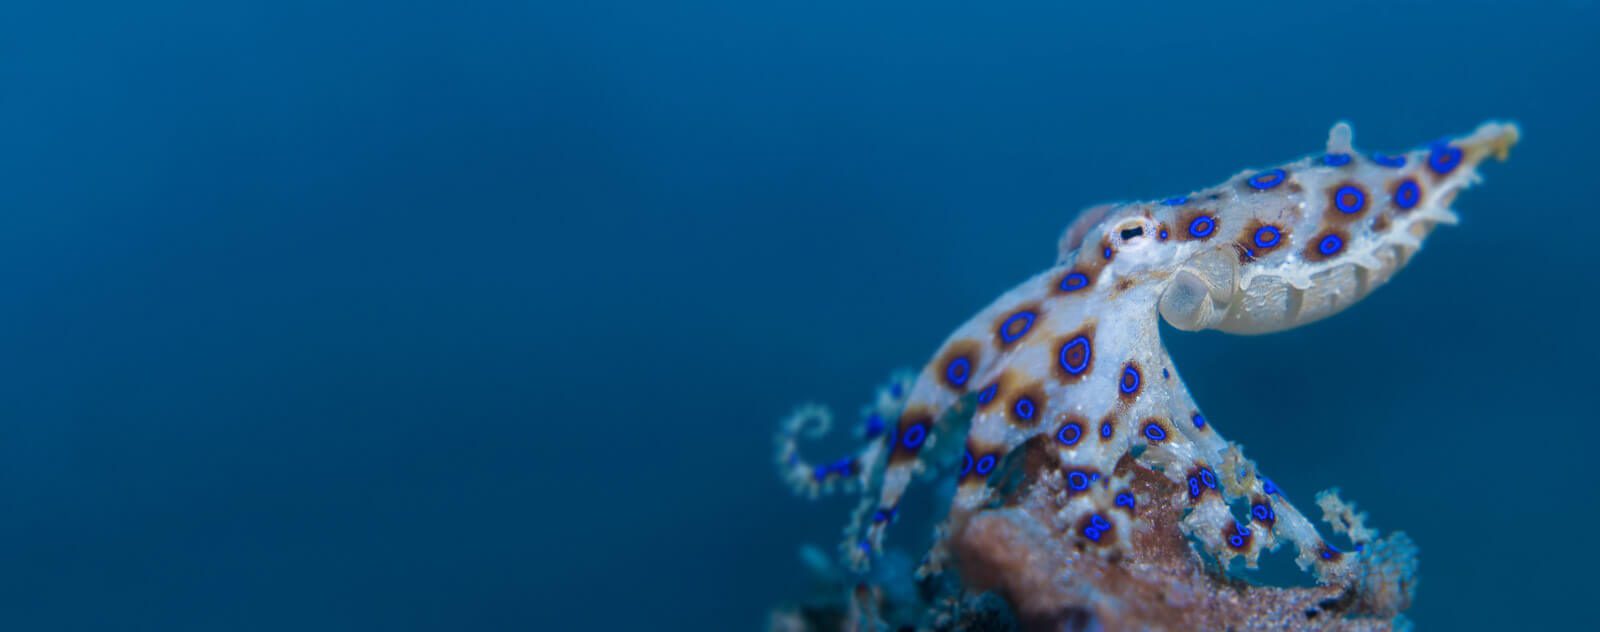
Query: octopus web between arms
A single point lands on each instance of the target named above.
(1069, 364)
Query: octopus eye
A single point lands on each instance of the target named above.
(1130, 230)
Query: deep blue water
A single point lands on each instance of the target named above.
(479, 316)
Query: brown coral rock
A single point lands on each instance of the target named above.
(1052, 581)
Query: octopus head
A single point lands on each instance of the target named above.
(1276, 248)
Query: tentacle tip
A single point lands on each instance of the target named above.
(1340, 138)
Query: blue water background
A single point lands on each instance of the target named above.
(479, 316)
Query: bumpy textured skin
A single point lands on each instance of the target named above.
(1072, 359)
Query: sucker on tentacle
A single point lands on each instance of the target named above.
(1072, 358)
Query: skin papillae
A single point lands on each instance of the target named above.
(1063, 382)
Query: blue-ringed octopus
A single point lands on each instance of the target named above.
(1074, 354)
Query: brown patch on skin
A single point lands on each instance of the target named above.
(1187, 219)
(1026, 405)
(1244, 537)
(1263, 501)
(1107, 421)
(1079, 480)
(1333, 215)
(1004, 385)
(1245, 243)
(1313, 251)
(1427, 162)
(900, 452)
(1019, 327)
(1164, 425)
(1196, 479)
(1380, 222)
(1288, 185)
(1070, 355)
(1394, 188)
(1124, 285)
(1129, 385)
(953, 375)
(1101, 532)
(979, 451)
(1062, 286)
(1084, 430)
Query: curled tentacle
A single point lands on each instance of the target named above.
(813, 422)
(805, 478)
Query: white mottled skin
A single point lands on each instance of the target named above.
(1195, 283)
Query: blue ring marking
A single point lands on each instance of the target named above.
(958, 371)
(1261, 512)
(1125, 385)
(1236, 541)
(1163, 234)
(1394, 162)
(1024, 408)
(1199, 420)
(1087, 351)
(884, 515)
(986, 464)
(1194, 488)
(1098, 522)
(1444, 158)
(1267, 179)
(1105, 429)
(1202, 226)
(864, 545)
(1026, 318)
(1070, 433)
(1407, 194)
(1078, 480)
(1106, 253)
(1353, 207)
(1074, 281)
(1175, 201)
(1267, 236)
(1336, 159)
(819, 473)
(914, 437)
(1208, 478)
(1125, 499)
(1165, 375)
(1330, 245)
(1242, 529)
(894, 390)
(987, 394)
(1091, 533)
(1154, 432)
(875, 425)
(966, 463)
(1268, 487)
